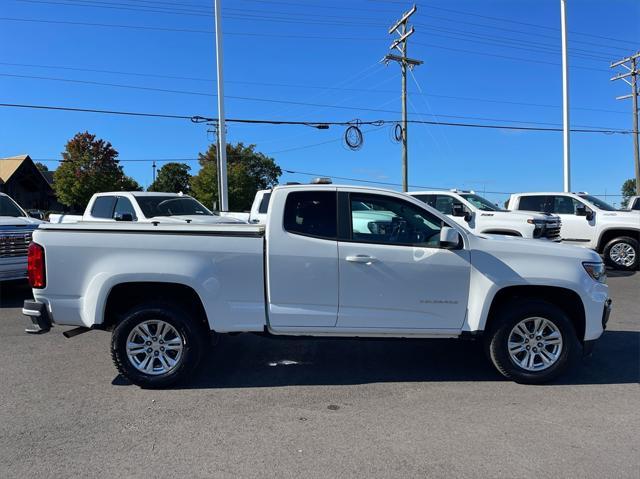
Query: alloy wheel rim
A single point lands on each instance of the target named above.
(155, 347)
(623, 254)
(535, 344)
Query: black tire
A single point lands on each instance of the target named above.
(192, 335)
(617, 241)
(497, 338)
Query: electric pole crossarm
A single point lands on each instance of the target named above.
(403, 20)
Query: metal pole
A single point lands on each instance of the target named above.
(634, 93)
(565, 99)
(222, 141)
(405, 132)
(154, 171)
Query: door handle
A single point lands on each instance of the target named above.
(361, 258)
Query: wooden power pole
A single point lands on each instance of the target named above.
(400, 44)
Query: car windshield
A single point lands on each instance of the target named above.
(603, 205)
(480, 202)
(153, 206)
(9, 208)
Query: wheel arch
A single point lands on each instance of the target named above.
(124, 296)
(612, 233)
(566, 299)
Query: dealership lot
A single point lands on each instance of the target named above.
(318, 408)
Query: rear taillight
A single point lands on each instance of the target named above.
(35, 266)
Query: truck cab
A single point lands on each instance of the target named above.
(481, 216)
(590, 222)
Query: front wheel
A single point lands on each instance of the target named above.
(622, 253)
(157, 345)
(531, 342)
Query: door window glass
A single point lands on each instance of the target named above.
(533, 203)
(389, 220)
(444, 204)
(564, 205)
(124, 206)
(103, 207)
(312, 213)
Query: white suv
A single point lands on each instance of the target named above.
(590, 222)
(481, 216)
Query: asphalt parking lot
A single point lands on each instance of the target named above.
(318, 408)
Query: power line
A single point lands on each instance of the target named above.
(197, 119)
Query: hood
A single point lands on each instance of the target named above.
(524, 215)
(198, 219)
(533, 249)
(19, 221)
(630, 218)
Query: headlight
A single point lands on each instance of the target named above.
(597, 271)
(531, 221)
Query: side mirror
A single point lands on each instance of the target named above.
(123, 217)
(449, 238)
(581, 211)
(458, 209)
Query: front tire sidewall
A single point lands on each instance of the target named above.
(607, 253)
(181, 321)
(497, 344)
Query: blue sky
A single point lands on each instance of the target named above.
(487, 62)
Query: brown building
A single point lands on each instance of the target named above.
(25, 183)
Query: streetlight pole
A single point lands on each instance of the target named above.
(222, 141)
(565, 99)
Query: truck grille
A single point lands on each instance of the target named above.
(14, 242)
(552, 230)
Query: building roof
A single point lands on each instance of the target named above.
(8, 166)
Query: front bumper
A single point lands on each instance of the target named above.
(587, 347)
(39, 315)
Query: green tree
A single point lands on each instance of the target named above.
(41, 166)
(628, 190)
(172, 178)
(247, 172)
(89, 166)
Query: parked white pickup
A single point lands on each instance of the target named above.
(16, 228)
(330, 261)
(145, 207)
(481, 216)
(588, 221)
(634, 203)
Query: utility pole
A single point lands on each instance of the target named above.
(565, 100)
(631, 66)
(400, 44)
(221, 130)
(154, 170)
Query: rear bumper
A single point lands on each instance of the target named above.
(39, 315)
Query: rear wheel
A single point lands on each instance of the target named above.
(532, 342)
(157, 345)
(622, 253)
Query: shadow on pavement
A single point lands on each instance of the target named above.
(614, 273)
(253, 361)
(13, 293)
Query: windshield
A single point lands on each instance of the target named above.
(9, 208)
(153, 206)
(603, 205)
(480, 202)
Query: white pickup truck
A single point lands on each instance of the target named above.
(588, 221)
(330, 261)
(633, 204)
(16, 228)
(145, 207)
(481, 216)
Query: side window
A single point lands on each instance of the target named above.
(533, 203)
(444, 204)
(103, 207)
(564, 205)
(123, 205)
(387, 220)
(428, 199)
(312, 213)
(264, 204)
(636, 205)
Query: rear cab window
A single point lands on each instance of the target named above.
(103, 207)
(312, 213)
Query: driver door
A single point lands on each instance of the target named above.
(393, 273)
